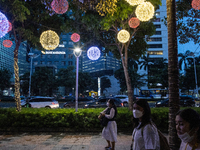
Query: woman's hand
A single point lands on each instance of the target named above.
(102, 114)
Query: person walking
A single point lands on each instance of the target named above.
(109, 132)
(187, 126)
(145, 135)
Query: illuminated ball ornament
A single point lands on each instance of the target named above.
(49, 40)
(4, 25)
(135, 2)
(123, 36)
(134, 22)
(93, 53)
(196, 4)
(60, 6)
(75, 37)
(145, 11)
(7, 43)
(10, 27)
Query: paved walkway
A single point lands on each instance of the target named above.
(60, 141)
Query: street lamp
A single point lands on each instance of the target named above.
(77, 53)
(31, 55)
(195, 72)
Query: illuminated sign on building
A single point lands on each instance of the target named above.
(55, 52)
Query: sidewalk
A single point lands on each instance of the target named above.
(60, 141)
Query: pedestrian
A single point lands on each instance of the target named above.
(110, 130)
(187, 126)
(145, 135)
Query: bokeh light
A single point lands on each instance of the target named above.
(7, 43)
(75, 37)
(93, 53)
(196, 4)
(134, 22)
(60, 6)
(135, 2)
(123, 36)
(4, 25)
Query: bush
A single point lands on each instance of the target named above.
(69, 120)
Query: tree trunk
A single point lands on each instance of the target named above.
(17, 83)
(128, 80)
(173, 74)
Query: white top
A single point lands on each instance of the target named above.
(149, 139)
(111, 115)
(185, 146)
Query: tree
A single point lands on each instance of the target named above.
(145, 62)
(29, 19)
(105, 83)
(183, 59)
(66, 78)
(173, 73)
(43, 82)
(24, 80)
(5, 76)
(102, 31)
(188, 22)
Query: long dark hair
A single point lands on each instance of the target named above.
(146, 118)
(192, 117)
(111, 101)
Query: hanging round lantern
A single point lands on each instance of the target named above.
(4, 25)
(49, 40)
(135, 2)
(10, 27)
(75, 37)
(7, 43)
(196, 4)
(60, 6)
(123, 36)
(134, 22)
(93, 53)
(145, 11)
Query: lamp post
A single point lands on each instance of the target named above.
(195, 73)
(77, 53)
(31, 55)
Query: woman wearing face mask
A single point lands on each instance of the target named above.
(187, 126)
(110, 131)
(145, 135)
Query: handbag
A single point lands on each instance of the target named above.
(104, 121)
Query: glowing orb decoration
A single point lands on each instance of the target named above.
(4, 25)
(196, 4)
(60, 6)
(7, 43)
(10, 27)
(135, 2)
(134, 22)
(93, 53)
(123, 36)
(75, 37)
(145, 11)
(49, 40)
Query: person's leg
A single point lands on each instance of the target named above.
(113, 146)
(108, 144)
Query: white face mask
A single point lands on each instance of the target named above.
(107, 104)
(185, 137)
(137, 113)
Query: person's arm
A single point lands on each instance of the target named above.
(111, 115)
(102, 114)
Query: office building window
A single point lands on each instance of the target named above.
(155, 52)
(70, 63)
(151, 39)
(64, 56)
(49, 56)
(63, 63)
(71, 43)
(35, 63)
(157, 13)
(156, 20)
(158, 33)
(42, 62)
(158, 26)
(70, 56)
(42, 56)
(49, 62)
(56, 56)
(155, 45)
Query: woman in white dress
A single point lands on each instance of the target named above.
(187, 126)
(145, 135)
(110, 131)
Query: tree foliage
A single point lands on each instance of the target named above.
(5, 76)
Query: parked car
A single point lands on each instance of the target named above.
(124, 99)
(185, 101)
(66, 98)
(81, 102)
(39, 102)
(102, 103)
